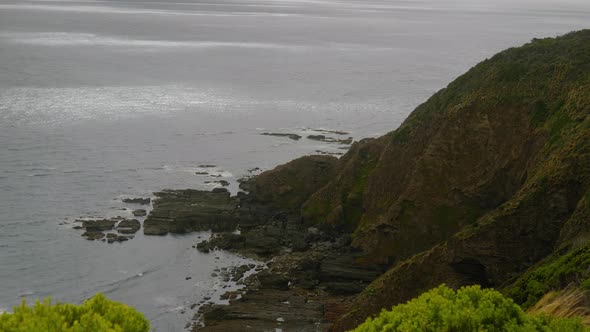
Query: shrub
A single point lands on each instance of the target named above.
(468, 309)
(95, 315)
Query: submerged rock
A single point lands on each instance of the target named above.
(111, 238)
(294, 137)
(324, 138)
(93, 235)
(99, 225)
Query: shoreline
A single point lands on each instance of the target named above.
(311, 274)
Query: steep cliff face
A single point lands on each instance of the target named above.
(484, 180)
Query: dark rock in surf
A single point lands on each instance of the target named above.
(138, 200)
(140, 213)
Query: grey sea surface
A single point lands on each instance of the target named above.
(101, 100)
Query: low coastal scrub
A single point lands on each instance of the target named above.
(467, 309)
(98, 314)
(555, 272)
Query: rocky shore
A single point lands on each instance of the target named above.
(311, 273)
(310, 280)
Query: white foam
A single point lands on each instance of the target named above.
(221, 174)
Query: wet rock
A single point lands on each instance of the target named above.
(111, 238)
(99, 225)
(138, 200)
(238, 273)
(230, 295)
(128, 226)
(182, 211)
(336, 132)
(93, 235)
(202, 173)
(323, 138)
(294, 137)
(317, 137)
(140, 213)
(254, 170)
(220, 182)
(207, 166)
(226, 241)
(326, 153)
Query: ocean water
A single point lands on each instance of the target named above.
(101, 100)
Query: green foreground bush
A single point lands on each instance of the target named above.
(98, 314)
(467, 309)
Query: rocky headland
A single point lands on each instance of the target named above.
(487, 182)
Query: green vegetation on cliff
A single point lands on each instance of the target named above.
(465, 152)
(95, 315)
(468, 309)
(558, 271)
(483, 181)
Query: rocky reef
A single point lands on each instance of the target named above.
(106, 229)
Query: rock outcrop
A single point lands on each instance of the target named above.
(182, 211)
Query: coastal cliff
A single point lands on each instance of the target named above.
(495, 175)
(487, 182)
